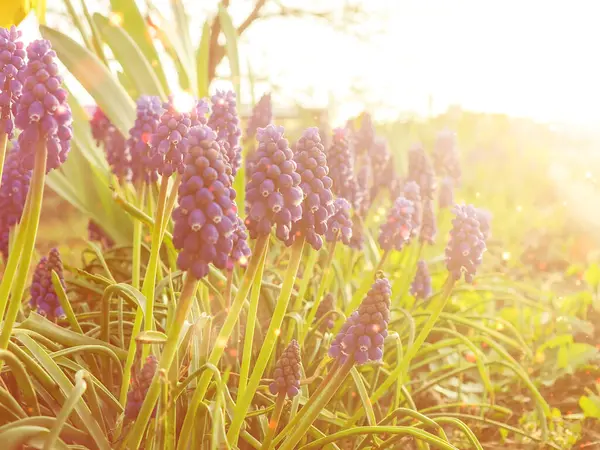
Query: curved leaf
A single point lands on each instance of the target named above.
(231, 46)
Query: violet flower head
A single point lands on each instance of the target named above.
(262, 115)
(421, 285)
(149, 111)
(287, 372)
(43, 296)
(117, 153)
(464, 252)
(169, 142)
(485, 222)
(206, 218)
(412, 192)
(99, 125)
(225, 122)
(339, 225)
(391, 180)
(421, 171)
(12, 60)
(240, 252)
(446, 194)
(325, 307)
(139, 388)
(396, 231)
(97, 234)
(42, 111)
(428, 223)
(362, 335)
(364, 138)
(445, 155)
(358, 238)
(199, 113)
(273, 194)
(13, 192)
(315, 183)
(364, 182)
(380, 156)
(341, 167)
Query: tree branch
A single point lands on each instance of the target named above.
(251, 17)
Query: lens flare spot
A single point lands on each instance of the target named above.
(183, 101)
(116, 19)
(506, 256)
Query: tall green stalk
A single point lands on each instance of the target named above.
(29, 231)
(274, 422)
(271, 338)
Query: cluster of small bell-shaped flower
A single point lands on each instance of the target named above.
(485, 222)
(421, 285)
(199, 113)
(428, 230)
(421, 171)
(365, 136)
(12, 60)
(325, 307)
(339, 225)
(364, 182)
(262, 115)
(43, 296)
(225, 122)
(362, 335)
(240, 252)
(141, 383)
(396, 230)
(287, 372)
(412, 192)
(97, 234)
(380, 157)
(358, 238)
(445, 155)
(169, 142)
(446, 194)
(341, 167)
(148, 113)
(99, 125)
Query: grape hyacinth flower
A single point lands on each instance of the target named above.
(169, 141)
(396, 231)
(139, 389)
(225, 122)
(43, 296)
(42, 111)
(341, 169)
(262, 115)
(117, 154)
(339, 225)
(273, 194)
(199, 112)
(421, 285)
(364, 138)
(12, 60)
(149, 111)
(206, 217)
(362, 335)
(357, 240)
(326, 306)
(412, 192)
(445, 155)
(380, 157)
(446, 194)
(485, 222)
(362, 194)
(287, 372)
(421, 171)
(464, 252)
(240, 252)
(13, 192)
(99, 125)
(97, 234)
(315, 183)
(428, 223)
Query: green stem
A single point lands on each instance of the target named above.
(274, 422)
(31, 222)
(364, 288)
(137, 244)
(168, 355)
(3, 145)
(306, 279)
(271, 338)
(171, 203)
(260, 252)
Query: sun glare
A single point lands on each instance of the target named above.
(183, 101)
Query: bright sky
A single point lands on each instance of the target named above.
(530, 58)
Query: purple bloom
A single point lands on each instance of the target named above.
(42, 111)
(396, 231)
(149, 111)
(341, 167)
(99, 124)
(364, 182)
(446, 194)
(445, 155)
(428, 223)
(43, 295)
(327, 305)
(421, 171)
(140, 384)
(412, 192)
(364, 138)
(96, 233)
(117, 153)
(317, 206)
(464, 252)
(225, 122)
(240, 252)
(364, 332)
(273, 194)
(287, 372)
(421, 285)
(485, 222)
(13, 192)
(380, 157)
(262, 115)
(357, 240)
(206, 218)
(199, 112)
(169, 142)
(12, 60)
(339, 225)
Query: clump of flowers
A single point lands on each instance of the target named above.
(199, 112)
(362, 194)
(240, 252)
(485, 222)
(148, 113)
(43, 296)
(428, 223)
(12, 60)
(43, 112)
(446, 194)
(362, 335)
(396, 231)
(357, 240)
(99, 125)
(225, 122)
(117, 154)
(339, 225)
(315, 183)
(341, 168)
(421, 171)
(169, 142)
(206, 218)
(273, 194)
(326, 306)
(445, 155)
(412, 192)
(287, 372)
(141, 384)
(262, 115)
(13, 192)
(421, 285)
(380, 157)
(96, 233)
(464, 252)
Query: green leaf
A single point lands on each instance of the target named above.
(231, 47)
(592, 275)
(590, 406)
(95, 78)
(135, 65)
(151, 337)
(202, 61)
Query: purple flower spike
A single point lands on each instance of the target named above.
(13, 192)
(43, 295)
(327, 305)
(339, 225)
(485, 222)
(287, 372)
(380, 157)
(169, 142)
(412, 192)
(43, 112)
(240, 252)
(199, 112)
(96, 233)
(364, 138)
(421, 171)
(273, 194)
(206, 218)
(445, 155)
(421, 285)
(358, 239)
(262, 115)
(396, 231)
(364, 332)
(225, 122)
(317, 206)
(12, 60)
(446, 194)
(464, 252)
(117, 153)
(149, 111)
(428, 223)
(341, 167)
(364, 182)
(139, 388)
(99, 124)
